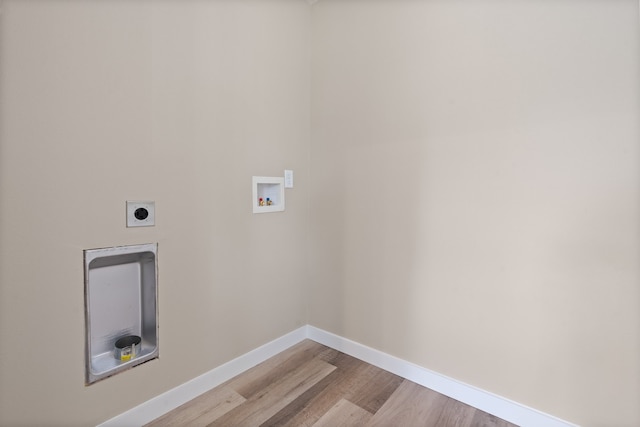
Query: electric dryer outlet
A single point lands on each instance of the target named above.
(141, 214)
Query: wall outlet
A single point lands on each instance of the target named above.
(141, 214)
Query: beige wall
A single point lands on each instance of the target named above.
(475, 193)
(173, 101)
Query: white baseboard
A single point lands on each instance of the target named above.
(500, 407)
(488, 402)
(160, 405)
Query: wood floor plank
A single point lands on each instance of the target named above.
(373, 394)
(267, 372)
(456, 414)
(349, 379)
(410, 405)
(202, 410)
(264, 404)
(344, 414)
(483, 419)
(359, 382)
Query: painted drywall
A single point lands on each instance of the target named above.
(172, 101)
(475, 193)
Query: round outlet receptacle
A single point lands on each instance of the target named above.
(141, 214)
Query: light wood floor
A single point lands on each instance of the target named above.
(313, 385)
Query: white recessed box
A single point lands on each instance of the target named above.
(268, 194)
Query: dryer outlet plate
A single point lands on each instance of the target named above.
(141, 214)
